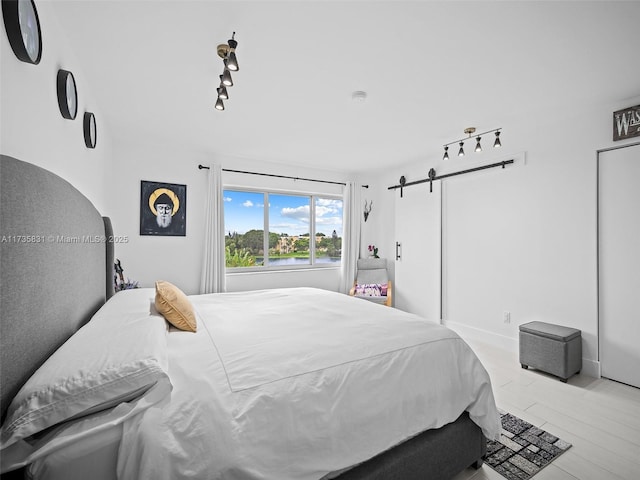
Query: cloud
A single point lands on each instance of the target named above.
(328, 217)
(299, 213)
(337, 221)
(247, 203)
(322, 211)
(228, 199)
(302, 212)
(328, 202)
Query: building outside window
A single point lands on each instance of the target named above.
(301, 230)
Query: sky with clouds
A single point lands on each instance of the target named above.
(244, 211)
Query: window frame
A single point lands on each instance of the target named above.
(312, 265)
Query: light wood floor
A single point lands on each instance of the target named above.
(599, 417)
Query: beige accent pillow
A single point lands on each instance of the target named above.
(174, 306)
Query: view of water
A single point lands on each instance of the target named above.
(297, 261)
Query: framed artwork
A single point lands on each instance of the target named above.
(163, 208)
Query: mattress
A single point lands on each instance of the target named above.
(294, 383)
(298, 383)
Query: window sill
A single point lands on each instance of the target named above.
(270, 270)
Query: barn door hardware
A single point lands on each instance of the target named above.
(433, 176)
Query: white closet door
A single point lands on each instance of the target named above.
(619, 264)
(417, 272)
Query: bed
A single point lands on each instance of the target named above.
(287, 383)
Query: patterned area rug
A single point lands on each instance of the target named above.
(523, 449)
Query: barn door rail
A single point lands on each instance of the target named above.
(433, 176)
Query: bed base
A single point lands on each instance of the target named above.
(435, 454)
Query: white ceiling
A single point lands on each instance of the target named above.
(429, 68)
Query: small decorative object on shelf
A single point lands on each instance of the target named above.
(374, 251)
(118, 278)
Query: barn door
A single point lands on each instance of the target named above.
(417, 271)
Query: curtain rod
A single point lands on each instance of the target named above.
(279, 176)
(432, 175)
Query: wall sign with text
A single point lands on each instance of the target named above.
(626, 123)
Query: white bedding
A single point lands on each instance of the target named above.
(271, 388)
(109, 370)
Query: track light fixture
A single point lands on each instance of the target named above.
(470, 131)
(227, 51)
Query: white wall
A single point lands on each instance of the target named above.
(178, 259)
(522, 239)
(31, 126)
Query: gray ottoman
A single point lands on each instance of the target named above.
(551, 348)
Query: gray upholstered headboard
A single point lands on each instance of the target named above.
(56, 268)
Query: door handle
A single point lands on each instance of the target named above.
(398, 251)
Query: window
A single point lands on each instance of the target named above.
(328, 223)
(302, 230)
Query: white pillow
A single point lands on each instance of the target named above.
(118, 356)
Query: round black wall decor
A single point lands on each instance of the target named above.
(90, 132)
(23, 29)
(67, 94)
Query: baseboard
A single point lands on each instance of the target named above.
(485, 336)
(591, 368)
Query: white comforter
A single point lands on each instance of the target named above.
(297, 383)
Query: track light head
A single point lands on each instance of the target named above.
(497, 143)
(232, 61)
(222, 88)
(226, 76)
(461, 151)
(446, 153)
(219, 104)
(478, 146)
